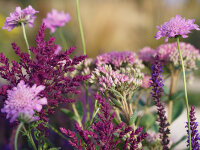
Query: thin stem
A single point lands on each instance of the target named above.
(17, 133)
(63, 38)
(28, 134)
(77, 115)
(80, 27)
(58, 132)
(186, 97)
(25, 38)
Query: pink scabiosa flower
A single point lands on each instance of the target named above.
(168, 53)
(23, 101)
(26, 16)
(177, 26)
(146, 54)
(56, 19)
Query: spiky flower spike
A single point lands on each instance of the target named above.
(157, 84)
(195, 137)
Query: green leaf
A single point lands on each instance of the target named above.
(177, 95)
(147, 120)
(178, 108)
(55, 148)
(79, 107)
(179, 141)
(67, 112)
(166, 90)
(116, 103)
(133, 118)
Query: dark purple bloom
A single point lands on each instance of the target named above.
(157, 85)
(103, 132)
(26, 16)
(195, 137)
(45, 69)
(177, 26)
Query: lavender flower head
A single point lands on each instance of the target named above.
(26, 16)
(169, 54)
(195, 137)
(23, 101)
(177, 26)
(119, 59)
(56, 19)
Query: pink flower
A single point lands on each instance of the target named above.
(146, 54)
(56, 19)
(23, 101)
(26, 16)
(146, 82)
(177, 26)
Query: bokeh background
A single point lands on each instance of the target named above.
(109, 25)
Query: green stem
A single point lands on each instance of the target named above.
(63, 38)
(80, 27)
(185, 88)
(17, 134)
(28, 134)
(77, 115)
(58, 132)
(25, 38)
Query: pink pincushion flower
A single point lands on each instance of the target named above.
(146, 54)
(26, 16)
(56, 19)
(23, 100)
(177, 26)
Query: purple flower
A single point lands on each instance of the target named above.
(177, 26)
(157, 91)
(26, 16)
(195, 137)
(23, 101)
(56, 19)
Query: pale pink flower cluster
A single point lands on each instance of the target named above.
(119, 59)
(169, 53)
(23, 101)
(106, 78)
(146, 82)
(146, 54)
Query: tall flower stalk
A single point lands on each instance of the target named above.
(185, 89)
(25, 38)
(17, 134)
(80, 27)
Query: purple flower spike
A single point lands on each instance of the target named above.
(26, 16)
(23, 101)
(157, 84)
(177, 26)
(56, 19)
(194, 132)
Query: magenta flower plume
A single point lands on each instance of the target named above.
(157, 91)
(26, 16)
(45, 69)
(177, 26)
(23, 100)
(56, 19)
(102, 134)
(195, 137)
